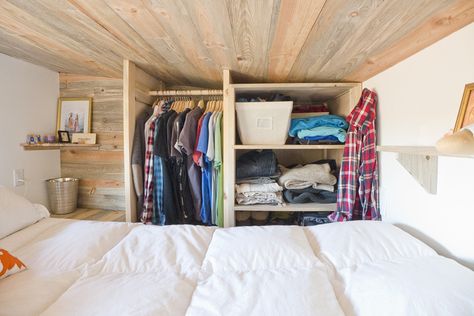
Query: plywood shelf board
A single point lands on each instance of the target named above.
(289, 147)
(298, 91)
(419, 150)
(304, 207)
(59, 146)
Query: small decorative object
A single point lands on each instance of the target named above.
(74, 115)
(51, 138)
(466, 110)
(30, 139)
(63, 137)
(84, 138)
(458, 143)
(38, 139)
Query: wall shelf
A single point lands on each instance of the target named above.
(303, 207)
(59, 146)
(421, 162)
(295, 146)
(419, 150)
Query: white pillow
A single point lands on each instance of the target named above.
(346, 244)
(16, 212)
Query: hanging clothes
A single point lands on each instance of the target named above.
(219, 193)
(206, 169)
(165, 211)
(138, 157)
(357, 196)
(148, 192)
(187, 143)
(180, 174)
(210, 160)
(183, 164)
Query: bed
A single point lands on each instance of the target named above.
(355, 268)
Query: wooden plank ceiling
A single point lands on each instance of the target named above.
(188, 42)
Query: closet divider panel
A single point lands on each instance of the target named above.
(136, 84)
(228, 146)
(101, 171)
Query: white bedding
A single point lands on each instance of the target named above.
(356, 268)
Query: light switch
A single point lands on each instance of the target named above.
(18, 177)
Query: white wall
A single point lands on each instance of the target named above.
(28, 96)
(419, 100)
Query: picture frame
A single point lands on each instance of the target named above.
(63, 137)
(74, 115)
(466, 109)
(84, 138)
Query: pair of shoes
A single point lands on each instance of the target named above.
(245, 218)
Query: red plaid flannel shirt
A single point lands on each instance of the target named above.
(149, 185)
(357, 196)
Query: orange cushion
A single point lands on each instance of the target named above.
(9, 264)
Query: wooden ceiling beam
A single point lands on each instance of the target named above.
(137, 48)
(295, 21)
(347, 32)
(442, 24)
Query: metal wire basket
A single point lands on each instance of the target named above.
(62, 194)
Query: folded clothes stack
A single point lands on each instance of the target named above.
(255, 183)
(311, 183)
(309, 110)
(319, 129)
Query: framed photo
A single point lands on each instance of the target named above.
(74, 115)
(84, 138)
(63, 137)
(466, 110)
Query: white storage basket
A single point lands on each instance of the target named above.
(263, 123)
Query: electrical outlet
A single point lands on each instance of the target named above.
(18, 177)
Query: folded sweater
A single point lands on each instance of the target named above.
(299, 124)
(311, 175)
(253, 187)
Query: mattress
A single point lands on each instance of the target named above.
(354, 268)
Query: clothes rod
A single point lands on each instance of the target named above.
(186, 92)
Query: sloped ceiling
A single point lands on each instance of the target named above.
(188, 42)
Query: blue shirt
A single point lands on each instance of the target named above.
(206, 166)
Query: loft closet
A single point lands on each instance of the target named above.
(340, 98)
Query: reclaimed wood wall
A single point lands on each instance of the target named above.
(101, 171)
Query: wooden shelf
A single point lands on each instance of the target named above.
(304, 207)
(59, 146)
(293, 147)
(419, 150)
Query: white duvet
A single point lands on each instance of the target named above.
(356, 268)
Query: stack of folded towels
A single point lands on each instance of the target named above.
(319, 129)
(311, 183)
(256, 173)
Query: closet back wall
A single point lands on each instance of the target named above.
(100, 171)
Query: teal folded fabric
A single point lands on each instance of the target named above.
(300, 124)
(339, 133)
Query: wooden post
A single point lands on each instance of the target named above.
(229, 151)
(129, 73)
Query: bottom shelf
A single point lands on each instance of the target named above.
(305, 207)
(94, 215)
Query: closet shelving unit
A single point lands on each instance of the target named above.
(340, 98)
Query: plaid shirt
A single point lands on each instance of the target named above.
(149, 183)
(357, 196)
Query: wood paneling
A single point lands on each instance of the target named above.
(101, 171)
(189, 42)
(94, 215)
